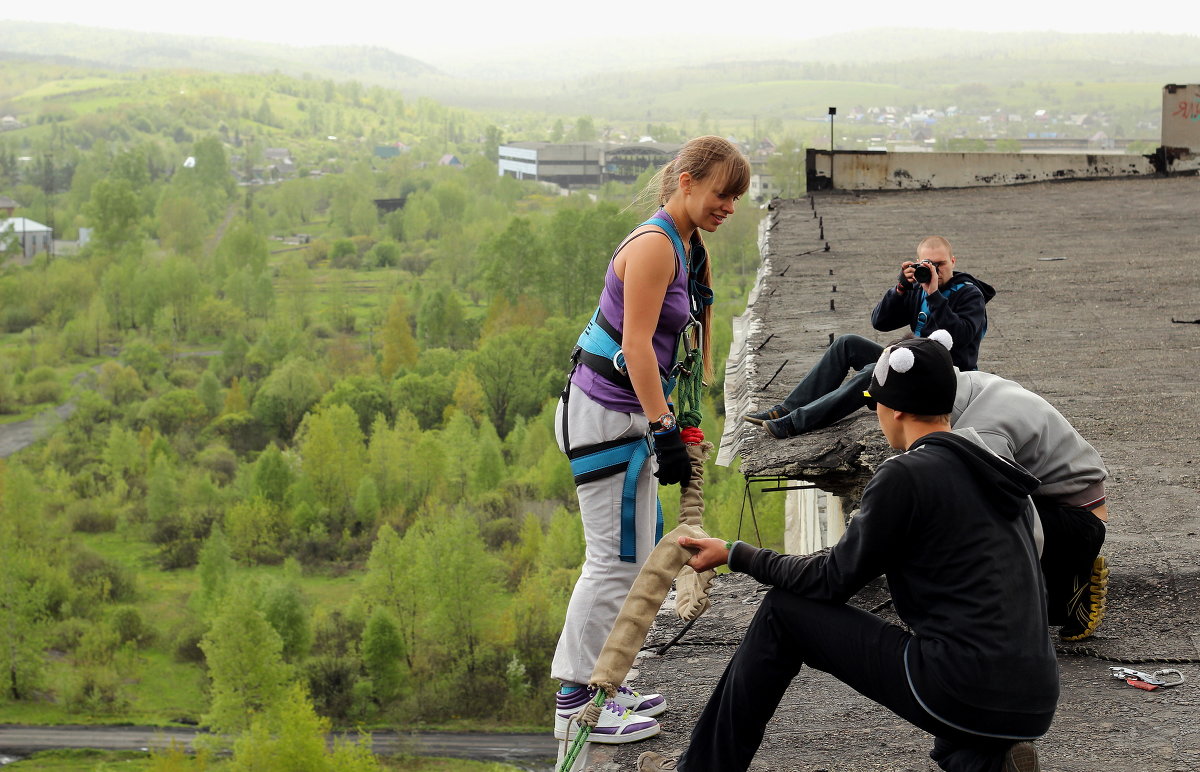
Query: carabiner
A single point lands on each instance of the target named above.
(1148, 681)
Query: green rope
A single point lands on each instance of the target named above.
(689, 386)
(580, 738)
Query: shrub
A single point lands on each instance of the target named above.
(130, 627)
(185, 641)
(101, 579)
(93, 690)
(87, 516)
(42, 385)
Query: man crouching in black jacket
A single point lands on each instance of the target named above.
(947, 523)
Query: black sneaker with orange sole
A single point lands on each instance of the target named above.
(1086, 604)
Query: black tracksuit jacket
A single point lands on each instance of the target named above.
(946, 523)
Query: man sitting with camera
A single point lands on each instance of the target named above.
(929, 295)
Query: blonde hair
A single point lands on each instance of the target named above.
(935, 242)
(702, 158)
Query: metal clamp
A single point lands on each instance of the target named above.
(1148, 681)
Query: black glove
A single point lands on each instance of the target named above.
(903, 284)
(674, 466)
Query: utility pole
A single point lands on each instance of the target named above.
(832, 112)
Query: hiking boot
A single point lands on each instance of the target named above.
(1021, 757)
(654, 762)
(780, 428)
(779, 411)
(1085, 607)
(617, 723)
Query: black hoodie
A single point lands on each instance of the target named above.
(958, 308)
(946, 523)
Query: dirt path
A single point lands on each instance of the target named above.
(533, 752)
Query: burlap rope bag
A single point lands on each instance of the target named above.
(666, 563)
(691, 589)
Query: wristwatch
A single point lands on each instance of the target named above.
(664, 423)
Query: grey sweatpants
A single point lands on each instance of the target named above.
(605, 580)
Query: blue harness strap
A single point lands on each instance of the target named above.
(595, 462)
(599, 347)
(923, 314)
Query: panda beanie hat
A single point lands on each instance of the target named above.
(916, 376)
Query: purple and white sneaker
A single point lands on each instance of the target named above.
(643, 704)
(617, 724)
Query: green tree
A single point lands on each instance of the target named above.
(394, 581)
(272, 475)
(564, 541)
(256, 529)
(114, 212)
(24, 615)
(424, 396)
(289, 736)
(441, 322)
(332, 456)
(284, 607)
(383, 654)
(215, 569)
(786, 168)
(243, 246)
(286, 395)
(399, 346)
(365, 395)
(208, 389)
(366, 502)
(180, 225)
(212, 169)
(468, 589)
(513, 258)
(245, 665)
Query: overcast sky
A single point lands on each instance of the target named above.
(431, 29)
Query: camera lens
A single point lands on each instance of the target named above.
(922, 274)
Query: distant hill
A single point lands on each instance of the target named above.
(719, 78)
(120, 49)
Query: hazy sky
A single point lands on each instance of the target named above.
(429, 29)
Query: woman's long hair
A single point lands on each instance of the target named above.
(702, 158)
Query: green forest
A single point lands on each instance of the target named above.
(307, 474)
(291, 366)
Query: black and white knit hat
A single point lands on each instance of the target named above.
(916, 376)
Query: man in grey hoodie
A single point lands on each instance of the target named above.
(1020, 425)
(948, 523)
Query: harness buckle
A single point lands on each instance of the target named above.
(1148, 681)
(697, 326)
(618, 361)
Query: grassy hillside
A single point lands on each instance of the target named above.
(738, 79)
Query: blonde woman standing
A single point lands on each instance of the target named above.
(614, 414)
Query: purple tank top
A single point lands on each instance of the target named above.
(673, 317)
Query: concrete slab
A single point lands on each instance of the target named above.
(1090, 276)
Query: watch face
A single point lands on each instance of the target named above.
(666, 421)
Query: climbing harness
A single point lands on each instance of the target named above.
(595, 462)
(923, 314)
(1148, 681)
(599, 347)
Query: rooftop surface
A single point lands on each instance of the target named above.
(1093, 279)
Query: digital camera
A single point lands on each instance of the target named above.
(923, 272)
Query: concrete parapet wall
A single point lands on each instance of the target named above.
(857, 170)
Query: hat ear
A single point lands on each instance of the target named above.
(881, 366)
(902, 359)
(943, 337)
